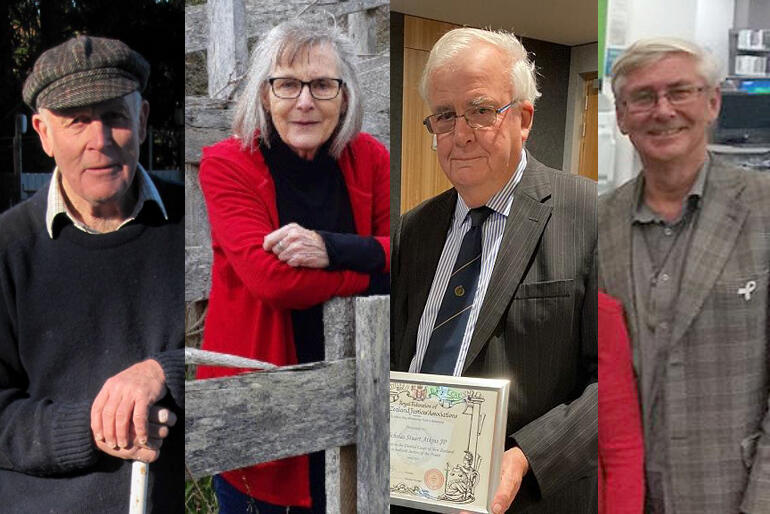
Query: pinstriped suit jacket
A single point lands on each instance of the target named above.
(717, 383)
(536, 327)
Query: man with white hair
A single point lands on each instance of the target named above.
(496, 277)
(686, 247)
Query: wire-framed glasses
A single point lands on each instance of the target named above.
(476, 117)
(647, 99)
(288, 88)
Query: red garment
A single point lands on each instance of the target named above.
(253, 292)
(621, 452)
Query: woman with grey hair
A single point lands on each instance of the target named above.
(299, 207)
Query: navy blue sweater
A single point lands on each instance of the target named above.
(74, 311)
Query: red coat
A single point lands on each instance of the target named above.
(621, 452)
(253, 292)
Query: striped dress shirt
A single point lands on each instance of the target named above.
(57, 206)
(492, 234)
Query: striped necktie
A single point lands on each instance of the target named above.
(447, 335)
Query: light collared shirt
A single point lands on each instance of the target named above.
(492, 235)
(57, 206)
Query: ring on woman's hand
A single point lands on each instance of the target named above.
(280, 246)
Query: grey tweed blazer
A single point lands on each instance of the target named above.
(536, 327)
(717, 383)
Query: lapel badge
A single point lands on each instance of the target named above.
(749, 288)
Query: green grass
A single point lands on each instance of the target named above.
(199, 497)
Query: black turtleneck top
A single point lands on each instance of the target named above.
(312, 193)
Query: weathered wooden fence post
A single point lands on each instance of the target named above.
(360, 328)
(372, 408)
(362, 29)
(339, 339)
(227, 51)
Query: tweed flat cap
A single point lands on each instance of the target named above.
(83, 71)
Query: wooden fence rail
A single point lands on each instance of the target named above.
(238, 421)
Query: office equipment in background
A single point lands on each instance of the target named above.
(741, 133)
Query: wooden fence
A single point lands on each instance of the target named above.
(338, 405)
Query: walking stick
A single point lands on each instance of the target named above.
(139, 473)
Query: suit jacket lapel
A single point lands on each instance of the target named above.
(428, 243)
(718, 225)
(615, 266)
(526, 221)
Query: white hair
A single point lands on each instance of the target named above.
(283, 44)
(522, 69)
(647, 51)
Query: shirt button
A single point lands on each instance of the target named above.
(664, 277)
(668, 231)
(663, 326)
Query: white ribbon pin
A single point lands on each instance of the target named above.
(746, 291)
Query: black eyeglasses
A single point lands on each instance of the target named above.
(289, 88)
(645, 100)
(476, 117)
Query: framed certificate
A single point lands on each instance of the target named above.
(447, 436)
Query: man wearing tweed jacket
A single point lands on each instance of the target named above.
(686, 247)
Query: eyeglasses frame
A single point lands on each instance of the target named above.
(498, 112)
(665, 93)
(304, 83)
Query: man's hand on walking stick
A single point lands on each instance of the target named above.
(120, 411)
(160, 421)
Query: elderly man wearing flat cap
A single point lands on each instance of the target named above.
(91, 298)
